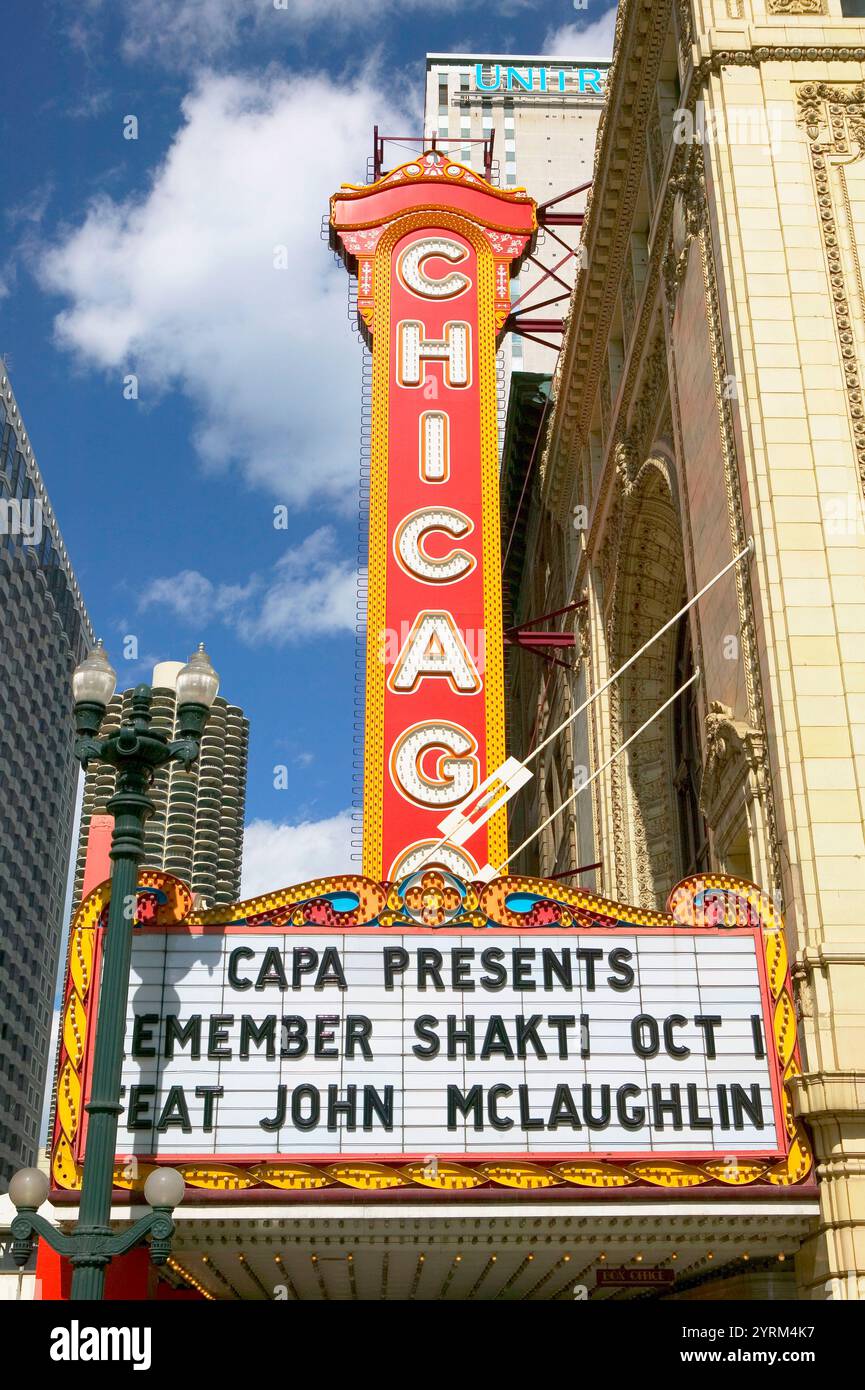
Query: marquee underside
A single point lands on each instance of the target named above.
(333, 1251)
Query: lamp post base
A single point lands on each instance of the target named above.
(88, 1280)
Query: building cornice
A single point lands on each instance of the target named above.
(547, 59)
(641, 30)
(742, 43)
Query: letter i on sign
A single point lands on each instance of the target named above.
(434, 248)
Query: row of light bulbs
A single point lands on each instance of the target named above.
(565, 1259)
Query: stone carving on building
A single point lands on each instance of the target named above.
(839, 113)
(606, 398)
(583, 627)
(803, 992)
(797, 7)
(685, 31)
(773, 53)
(654, 389)
(649, 580)
(628, 301)
(655, 151)
(627, 462)
(734, 765)
(685, 223)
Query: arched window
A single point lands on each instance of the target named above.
(687, 761)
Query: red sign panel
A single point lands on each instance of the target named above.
(433, 247)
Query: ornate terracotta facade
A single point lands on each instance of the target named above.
(710, 390)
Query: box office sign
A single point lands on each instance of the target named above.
(652, 1276)
(446, 1033)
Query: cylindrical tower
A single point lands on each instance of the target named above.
(196, 831)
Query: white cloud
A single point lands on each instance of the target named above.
(179, 285)
(312, 592)
(179, 33)
(188, 594)
(309, 593)
(32, 207)
(279, 856)
(594, 40)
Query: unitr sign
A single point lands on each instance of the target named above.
(495, 77)
(433, 247)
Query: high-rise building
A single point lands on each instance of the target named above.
(543, 115)
(196, 831)
(44, 633)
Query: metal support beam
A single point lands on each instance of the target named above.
(547, 218)
(545, 617)
(517, 323)
(426, 142)
(521, 637)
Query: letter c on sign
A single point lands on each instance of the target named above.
(412, 272)
(410, 550)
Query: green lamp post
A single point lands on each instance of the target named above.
(135, 751)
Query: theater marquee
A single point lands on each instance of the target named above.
(414, 1025)
(373, 1035)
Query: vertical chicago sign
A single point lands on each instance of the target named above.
(433, 247)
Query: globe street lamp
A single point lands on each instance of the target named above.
(135, 751)
(90, 1255)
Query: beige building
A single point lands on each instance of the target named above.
(710, 390)
(542, 115)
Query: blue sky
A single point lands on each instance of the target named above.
(154, 257)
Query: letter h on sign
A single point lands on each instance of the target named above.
(434, 248)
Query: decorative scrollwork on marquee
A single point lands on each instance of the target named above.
(430, 898)
(162, 901)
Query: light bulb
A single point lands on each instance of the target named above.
(197, 682)
(94, 680)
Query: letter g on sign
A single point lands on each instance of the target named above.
(455, 769)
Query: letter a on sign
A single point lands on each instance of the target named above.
(434, 648)
(434, 248)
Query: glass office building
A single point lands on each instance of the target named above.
(44, 633)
